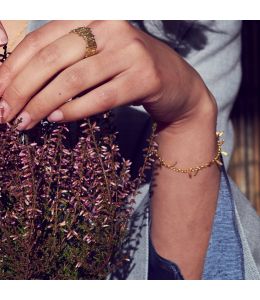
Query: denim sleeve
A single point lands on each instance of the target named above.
(225, 257)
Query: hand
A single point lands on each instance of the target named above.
(48, 68)
(3, 35)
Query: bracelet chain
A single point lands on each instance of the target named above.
(193, 171)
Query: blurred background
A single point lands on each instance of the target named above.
(245, 162)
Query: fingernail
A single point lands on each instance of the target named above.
(1, 115)
(5, 109)
(56, 116)
(25, 120)
(3, 37)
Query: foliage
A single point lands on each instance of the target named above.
(65, 209)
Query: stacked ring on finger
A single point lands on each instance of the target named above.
(87, 35)
(50, 61)
(48, 73)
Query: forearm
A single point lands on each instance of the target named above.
(183, 208)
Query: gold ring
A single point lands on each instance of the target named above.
(88, 36)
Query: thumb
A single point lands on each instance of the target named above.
(3, 35)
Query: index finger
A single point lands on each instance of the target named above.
(30, 45)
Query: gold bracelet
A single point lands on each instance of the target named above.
(193, 171)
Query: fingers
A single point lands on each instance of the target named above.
(42, 86)
(3, 35)
(115, 93)
(43, 66)
(82, 76)
(31, 44)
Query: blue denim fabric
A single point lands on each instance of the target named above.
(161, 268)
(224, 258)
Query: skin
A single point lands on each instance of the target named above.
(3, 35)
(48, 68)
(16, 30)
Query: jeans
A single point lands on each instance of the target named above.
(161, 268)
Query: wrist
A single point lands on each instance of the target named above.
(201, 116)
(190, 141)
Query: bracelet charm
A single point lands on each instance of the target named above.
(193, 171)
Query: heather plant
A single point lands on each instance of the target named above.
(65, 207)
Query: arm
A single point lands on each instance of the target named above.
(208, 62)
(183, 208)
(135, 69)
